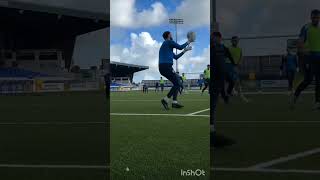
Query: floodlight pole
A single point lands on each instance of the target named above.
(176, 21)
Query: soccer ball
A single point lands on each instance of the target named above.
(191, 36)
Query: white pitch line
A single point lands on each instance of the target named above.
(53, 166)
(298, 122)
(273, 93)
(197, 112)
(219, 122)
(51, 123)
(286, 159)
(177, 115)
(152, 100)
(302, 171)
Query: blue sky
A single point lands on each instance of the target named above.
(148, 20)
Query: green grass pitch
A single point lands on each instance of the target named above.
(53, 136)
(268, 131)
(154, 143)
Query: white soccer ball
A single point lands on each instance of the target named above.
(191, 36)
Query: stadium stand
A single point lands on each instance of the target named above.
(19, 73)
(37, 44)
(122, 75)
(264, 67)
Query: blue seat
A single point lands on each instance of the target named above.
(20, 73)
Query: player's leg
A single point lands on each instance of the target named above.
(167, 72)
(231, 84)
(206, 84)
(230, 79)
(290, 76)
(239, 90)
(177, 84)
(308, 77)
(217, 140)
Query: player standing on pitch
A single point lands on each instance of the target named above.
(234, 76)
(161, 84)
(166, 57)
(290, 63)
(206, 74)
(309, 45)
(218, 55)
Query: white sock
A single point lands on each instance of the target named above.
(175, 102)
(166, 99)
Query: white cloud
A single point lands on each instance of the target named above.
(144, 50)
(194, 12)
(124, 14)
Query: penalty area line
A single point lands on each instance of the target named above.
(198, 112)
(286, 159)
(176, 115)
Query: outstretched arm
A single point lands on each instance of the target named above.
(177, 46)
(182, 53)
(177, 56)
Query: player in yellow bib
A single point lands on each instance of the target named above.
(309, 45)
(233, 69)
(161, 84)
(206, 76)
(184, 82)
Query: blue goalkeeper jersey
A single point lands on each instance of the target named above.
(166, 54)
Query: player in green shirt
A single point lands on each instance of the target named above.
(184, 82)
(233, 69)
(206, 76)
(161, 84)
(309, 46)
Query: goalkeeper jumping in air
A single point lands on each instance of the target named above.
(166, 57)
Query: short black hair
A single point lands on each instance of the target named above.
(315, 12)
(165, 34)
(218, 34)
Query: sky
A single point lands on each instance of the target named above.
(137, 27)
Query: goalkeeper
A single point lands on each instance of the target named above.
(166, 57)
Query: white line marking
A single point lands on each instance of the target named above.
(53, 166)
(220, 122)
(273, 93)
(152, 100)
(301, 122)
(197, 112)
(286, 159)
(178, 115)
(51, 123)
(267, 170)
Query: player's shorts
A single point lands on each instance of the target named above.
(206, 81)
(231, 72)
